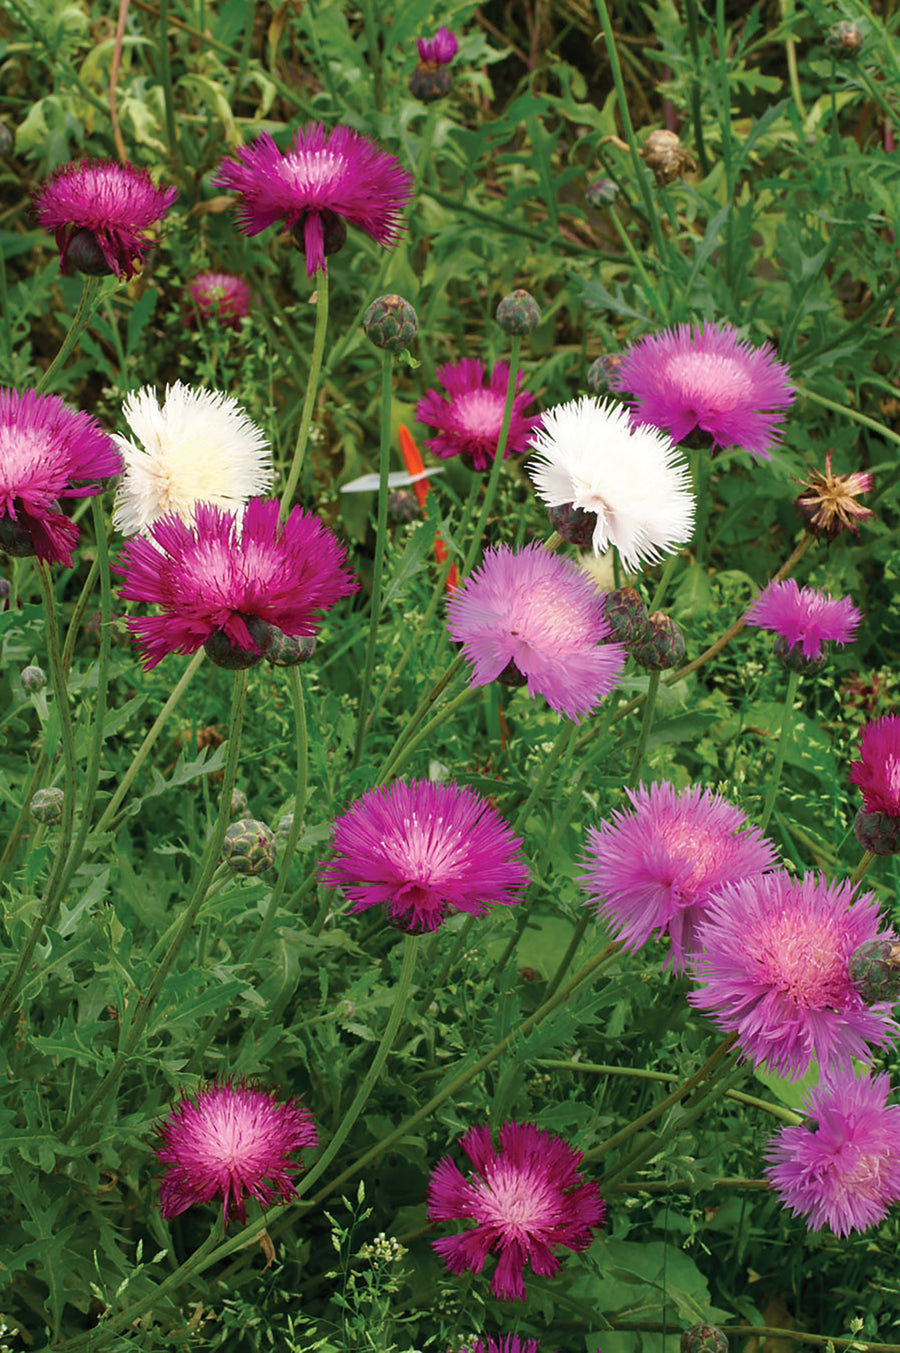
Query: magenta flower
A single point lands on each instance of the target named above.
(221, 296)
(877, 772)
(656, 868)
(326, 179)
(439, 50)
(543, 615)
(99, 211)
(47, 452)
(510, 1343)
(526, 1199)
(231, 579)
(774, 969)
(469, 422)
(804, 616)
(841, 1170)
(684, 378)
(232, 1139)
(422, 849)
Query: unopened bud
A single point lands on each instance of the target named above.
(666, 156)
(574, 524)
(518, 313)
(878, 832)
(704, 1339)
(221, 649)
(662, 646)
(845, 38)
(602, 371)
(46, 806)
(290, 650)
(239, 803)
(874, 969)
(391, 323)
(34, 679)
(283, 830)
(627, 615)
(403, 505)
(249, 847)
(601, 192)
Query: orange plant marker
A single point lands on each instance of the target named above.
(412, 459)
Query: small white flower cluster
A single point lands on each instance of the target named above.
(382, 1250)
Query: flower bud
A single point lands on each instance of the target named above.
(601, 192)
(290, 650)
(666, 156)
(15, 538)
(874, 968)
(429, 82)
(85, 255)
(283, 830)
(34, 679)
(220, 649)
(5, 592)
(391, 322)
(518, 313)
(573, 523)
(46, 806)
(403, 505)
(249, 847)
(704, 1339)
(662, 646)
(845, 38)
(627, 615)
(878, 832)
(601, 372)
(792, 658)
(239, 803)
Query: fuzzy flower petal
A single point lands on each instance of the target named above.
(684, 378)
(198, 446)
(842, 1170)
(805, 616)
(657, 867)
(469, 422)
(774, 969)
(421, 849)
(222, 296)
(115, 202)
(439, 50)
(877, 772)
(510, 1343)
(231, 1139)
(541, 613)
(634, 480)
(212, 575)
(47, 451)
(526, 1199)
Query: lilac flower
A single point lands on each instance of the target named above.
(47, 452)
(657, 868)
(841, 1170)
(469, 422)
(100, 211)
(423, 849)
(684, 378)
(218, 577)
(526, 1199)
(774, 969)
(542, 614)
(221, 296)
(877, 772)
(439, 50)
(326, 179)
(231, 1139)
(805, 616)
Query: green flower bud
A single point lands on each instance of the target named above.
(878, 832)
(704, 1339)
(249, 847)
(34, 679)
(601, 372)
(46, 806)
(289, 650)
(429, 82)
(573, 523)
(601, 192)
(845, 38)
(391, 323)
(662, 646)
(874, 968)
(239, 803)
(403, 505)
(518, 313)
(627, 615)
(283, 830)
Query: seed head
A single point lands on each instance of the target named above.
(828, 504)
(666, 156)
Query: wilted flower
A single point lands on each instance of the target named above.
(804, 617)
(666, 156)
(828, 505)
(221, 296)
(469, 422)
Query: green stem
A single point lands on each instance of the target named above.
(34, 780)
(505, 226)
(662, 586)
(852, 414)
(423, 162)
(862, 868)
(78, 614)
(309, 403)
(784, 741)
(374, 53)
(411, 744)
(790, 52)
(426, 704)
(696, 119)
(646, 725)
(497, 466)
(577, 936)
(725, 94)
(657, 303)
(165, 71)
(87, 304)
(551, 760)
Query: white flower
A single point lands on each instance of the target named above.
(197, 447)
(634, 479)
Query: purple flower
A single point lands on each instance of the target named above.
(422, 849)
(469, 422)
(543, 615)
(657, 868)
(221, 296)
(841, 1170)
(526, 1199)
(510, 1343)
(684, 378)
(326, 179)
(47, 451)
(877, 772)
(803, 615)
(232, 1139)
(103, 209)
(221, 576)
(439, 50)
(774, 969)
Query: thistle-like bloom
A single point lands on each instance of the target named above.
(841, 1170)
(221, 296)
(774, 969)
(510, 1343)
(469, 422)
(422, 850)
(804, 616)
(657, 867)
(526, 1199)
(634, 480)
(99, 211)
(231, 1139)
(439, 50)
(684, 378)
(198, 446)
(542, 614)
(828, 504)
(877, 772)
(47, 452)
(326, 179)
(221, 577)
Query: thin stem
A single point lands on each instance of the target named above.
(165, 71)
(37, 772)
(577, 936)
(390, 769)
(790, 51)
(309, 403)
(505, 226)
(423, 162)
(78, 614)
(646, 725)
(426, 704)
(424, 627)
(852, 414)
(784, 741)
(696, 119)
(374, 53)
(497, 466)
(87, 304)
(862, 868)
(551, 760)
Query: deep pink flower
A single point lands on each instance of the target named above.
(47, 451)
(221, 296)
(774, 969)
(327, 178)
(222, 576)
(842, 1170)
(684, 378)
(469, 422)
(233, 1139)
(421, 849)
(877, 772)
(103, 208)
(510, 1343)
(439, 50)
(525, 1199)
(542, 614)
(805, 616)
(657, 867)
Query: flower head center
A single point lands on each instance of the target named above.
(710, 378)
(515, 1199)
(308, 170)
(803, 958)
(480, 412)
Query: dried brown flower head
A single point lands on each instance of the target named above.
(666, 156)
(828, 505)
